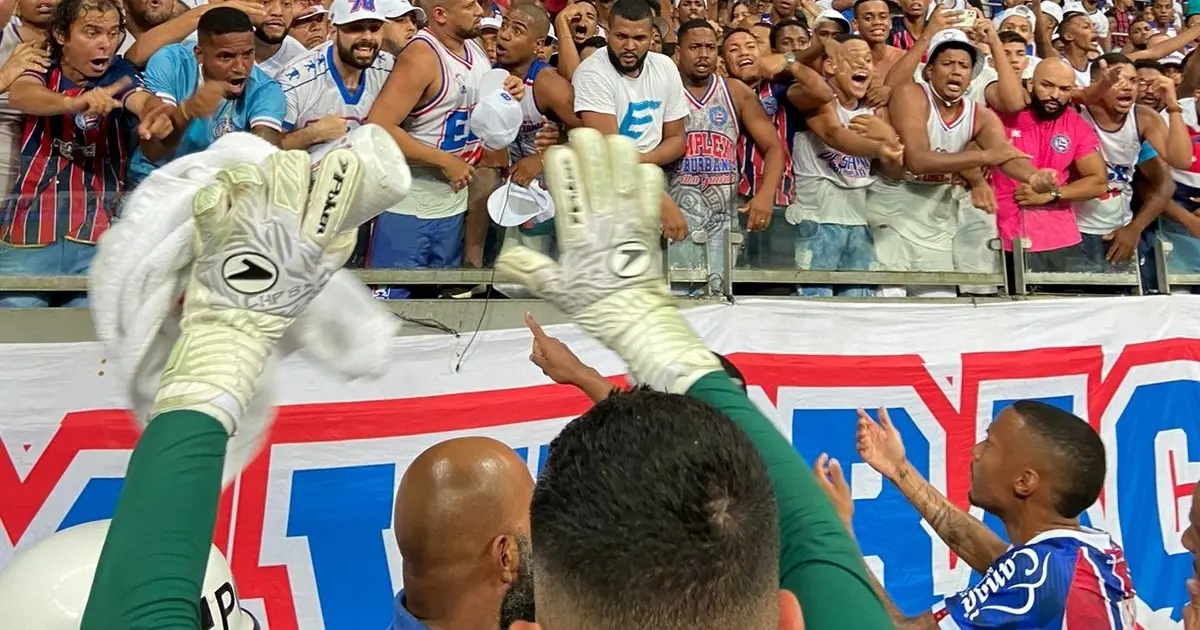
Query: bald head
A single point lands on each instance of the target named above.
(1055, 70)
(458, 496)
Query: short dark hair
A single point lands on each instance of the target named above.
(1012, 37)
(858, 3)
(655, 507)
(842, 38)
(67, 11)
(222, 20)
(631, 10)
(734, 31)
(1078, 459)
(595, 41)
(779, 26)
(1148, 64)
(1109, 59)
(691, 25)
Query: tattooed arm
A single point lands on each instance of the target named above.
(880, 446)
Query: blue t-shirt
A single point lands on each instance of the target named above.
(1147, 152)
(402, 619)
(173, 74)
(1060, 579)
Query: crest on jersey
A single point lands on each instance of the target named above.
(1060, 143)
(87, 122)
(718, 116)
(770, 105)
(221, 126)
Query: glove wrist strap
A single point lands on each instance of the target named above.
(213, 370)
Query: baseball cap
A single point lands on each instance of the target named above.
(490, 22)
(393, 9)
(511, 205)
(311, 11)
(1053, 10)
(1173, 59)
(344, 11)
(958, 39)
(497, 116)
(829, 15)
(550, 36)
(1019, 11)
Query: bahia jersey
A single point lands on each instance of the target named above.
(313, 89)
(443, 123)
(1061, 580)
(531, 123)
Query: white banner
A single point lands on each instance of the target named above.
(308, 525)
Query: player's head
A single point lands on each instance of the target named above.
(630, 29)
(655, 510)
(225, 47)
(1051, 88)
(358, 33)
(740, 51)
(47, 586)
(874, 20)
(85, 34)
(462, 524)
(1037, 461)
(1120, 99)
(36, 12)
(697, 50)
(275, 24)
(1016, 51)
(789, 36)
(853, 76)
(951, 64)
(522, 34)
(459, 18)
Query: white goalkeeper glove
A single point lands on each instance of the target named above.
(608, 277)
(268, 238)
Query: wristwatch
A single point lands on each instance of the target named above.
(1055, 195)
(790, 59)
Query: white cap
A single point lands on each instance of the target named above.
(550, 34)
(311, 11)
(490, 22)
(1053, 10)
(47, 585)
(511, 205)
(955, 36)
(1173, 59)
(393, 9)
(829, 15)
(347, 11)
(1020, 11)
(497, 116)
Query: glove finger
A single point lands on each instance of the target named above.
(289, 173)
(591, 150)
(623, 160)
(334, 187)
(566, 188)
(210, 206)
(651, 185)
(533, 270)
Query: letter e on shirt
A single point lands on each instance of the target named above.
(642, 104)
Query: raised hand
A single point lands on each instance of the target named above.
(879, 444)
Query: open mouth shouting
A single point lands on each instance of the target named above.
(98, 65)
(860, 79)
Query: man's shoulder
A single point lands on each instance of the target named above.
(301, 69)
(180, 53)
(595, 65)
(660, 63)
(119, 68)
(262, 85)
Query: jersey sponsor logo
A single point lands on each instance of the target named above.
(308, 534)
(638, 116)
(1000, 577)
(847, 166)
(1120, 173)
(709, 152)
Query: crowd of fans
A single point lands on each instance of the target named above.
(843, 135)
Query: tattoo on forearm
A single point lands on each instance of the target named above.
(962, 533)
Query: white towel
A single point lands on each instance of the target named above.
(140, 271)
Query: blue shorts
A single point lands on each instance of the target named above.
(402, 241)
(60, 258)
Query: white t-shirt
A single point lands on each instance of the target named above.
(642, 104)
(289, 50)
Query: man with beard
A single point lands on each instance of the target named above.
(273, 47)
(704, 181)
(462, 527)
(548, 96)
(1037, 469)
(1061, 141)
(215, 89)
(1108, 225)
(919, 223)
(330, 90)
(636, 93)
(832, 166)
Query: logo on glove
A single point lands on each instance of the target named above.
(249, 273)
(629, 259)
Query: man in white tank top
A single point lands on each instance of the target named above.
(1132, 138)
(704, 181)
(832, 169)
(916, 222)
(426, 106)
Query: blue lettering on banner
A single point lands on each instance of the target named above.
(96, 502)
(637, 117)
(456, 133)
